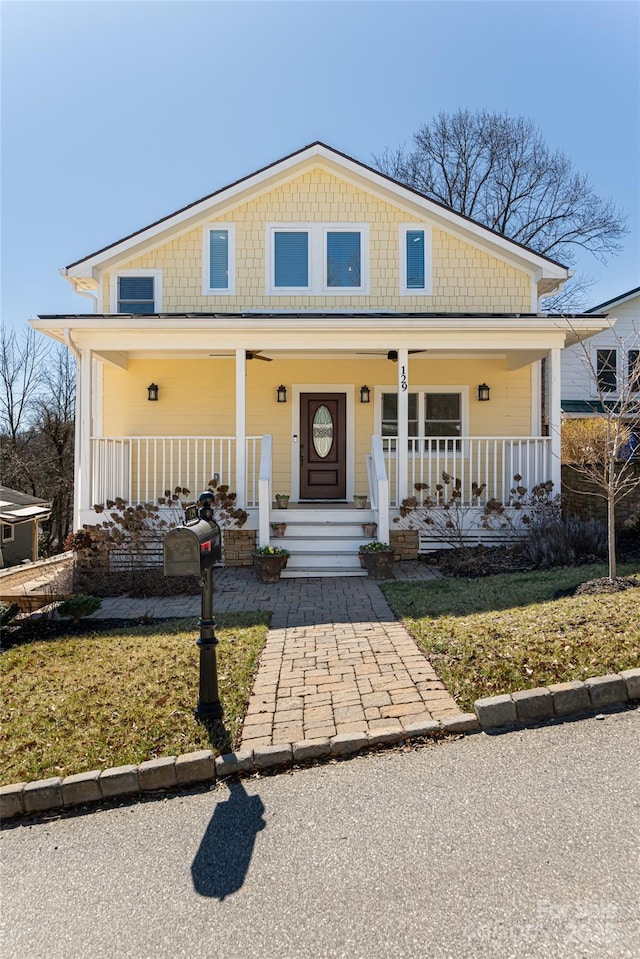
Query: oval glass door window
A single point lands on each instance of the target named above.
(322, 431)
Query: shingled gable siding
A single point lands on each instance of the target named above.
(464, 276)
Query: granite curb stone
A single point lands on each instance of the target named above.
(266, 757)
(119, 781)
(632, 682)
(158, 774)
(533, 705)
(344, 744)
(11, 800)
(569, 698)
(606, 690)
(232, 763)
(81, 788)
(465, 723)
(308, 749)
(42, 794)
(195, 767)
(494, 712)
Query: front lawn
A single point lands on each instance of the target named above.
(502, 633)
(103, 699)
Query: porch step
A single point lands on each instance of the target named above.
(322, 541)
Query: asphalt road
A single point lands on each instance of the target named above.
(520, 845)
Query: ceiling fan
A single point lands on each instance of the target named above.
(391, 354)
(251, 355)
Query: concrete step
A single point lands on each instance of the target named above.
(309, 544)
(322, 529)
(337, 560)
(308, 572)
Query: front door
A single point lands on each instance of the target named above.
(323, 460)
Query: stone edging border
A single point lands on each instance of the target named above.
(494, 713)
(190, 769)
(558, 701)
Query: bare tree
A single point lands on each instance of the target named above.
(604, 448)
(37, 409)
(497, 169)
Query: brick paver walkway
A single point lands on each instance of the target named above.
(335, 661)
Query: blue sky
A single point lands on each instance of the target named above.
(117, 113)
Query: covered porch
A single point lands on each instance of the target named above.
(322, 407)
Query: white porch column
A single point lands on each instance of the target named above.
(403, 425)
(83, 463)
(555, 417)
(241, 428)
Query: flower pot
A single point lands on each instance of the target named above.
(268, 568)
(379, 563)
(282, 501)
(278, 529)
(369, 529)
(360, 502)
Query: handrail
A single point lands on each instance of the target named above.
(264, 489)
(380, 488)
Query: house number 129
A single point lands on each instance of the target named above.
(403, 379)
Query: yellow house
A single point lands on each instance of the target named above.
(321, 330)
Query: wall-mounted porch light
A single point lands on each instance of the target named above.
(152, 391)
(282, 394)
(483, 392)
(365, 394)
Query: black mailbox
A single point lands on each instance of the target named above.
(191, 549)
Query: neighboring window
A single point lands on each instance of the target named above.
(439, 413)
(219, 259)
(136, 294)
(415, 259)
(606, 369)
(633, 360)
(317, 258)
(7, 533)
(136, 291)
(343, 259)
(291, 259)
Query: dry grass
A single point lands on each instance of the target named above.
(107, 699)
(504, 633)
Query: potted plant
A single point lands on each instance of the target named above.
(360, 501)
(369, 529)
(278, 529)
(378, 559)
(268, 562)
(282, 500)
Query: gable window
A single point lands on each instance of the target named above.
(136, 291)
(606, 370)
(434, 416)
(633, 370)
(415, 259)
(317, 258)
(343, 262)
(219, 259)
(291, 259)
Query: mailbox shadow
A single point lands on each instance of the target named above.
(222, 861)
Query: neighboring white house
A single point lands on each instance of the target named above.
(604, 365)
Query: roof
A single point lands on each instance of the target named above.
(17, 507)
(590, 407)
(317, 148)
(616, 301)
(312, 314)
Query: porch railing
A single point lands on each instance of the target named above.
(140, 468)
(490, 460)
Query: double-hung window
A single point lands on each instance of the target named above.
(434, 416)
(137, 291)
(218, 267)
(415, 259)
(317, 258)
(633, 371)
(606, 370)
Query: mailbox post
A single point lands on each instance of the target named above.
(192, 550)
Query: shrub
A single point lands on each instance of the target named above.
(8, 613)
(79, 606)
(569, 542)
